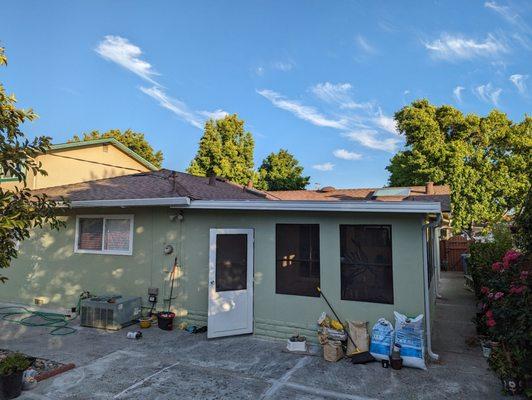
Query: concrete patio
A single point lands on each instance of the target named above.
(170, 365)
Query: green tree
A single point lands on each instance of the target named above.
(133, 140)
(225, 149)
(486, 160)
(281, 171)
(20, 210)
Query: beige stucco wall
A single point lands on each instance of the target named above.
(48, 267)
(82, 164)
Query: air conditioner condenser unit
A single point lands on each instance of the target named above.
(112, 313)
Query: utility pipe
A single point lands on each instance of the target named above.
(429, 225)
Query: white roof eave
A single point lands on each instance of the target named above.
(414, 207)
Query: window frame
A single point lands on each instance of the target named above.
(391, 263)
(105, 217)
(4, 178)
(318, 261)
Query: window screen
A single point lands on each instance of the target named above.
(297, 259)
(117, 233)
(90, 234)
(231, 262)
(107, 235)
(366, 263)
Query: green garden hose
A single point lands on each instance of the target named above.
(26, 317)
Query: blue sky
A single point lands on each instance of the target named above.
(319, 78)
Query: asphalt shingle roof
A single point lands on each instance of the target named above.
(166, 183)
(441, 193)
(157, 184)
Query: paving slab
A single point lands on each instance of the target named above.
(176, 364)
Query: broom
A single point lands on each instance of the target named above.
(358, 356)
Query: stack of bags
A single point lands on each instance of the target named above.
(331, 334)
(333, 337)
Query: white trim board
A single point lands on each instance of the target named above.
(416, 207)
(162, 201)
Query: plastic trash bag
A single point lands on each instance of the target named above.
(409, 334)
(381, 339)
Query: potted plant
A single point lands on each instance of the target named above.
(12, 368)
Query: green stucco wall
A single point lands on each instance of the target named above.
(48, 267)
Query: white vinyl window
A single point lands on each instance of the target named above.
(104, 234)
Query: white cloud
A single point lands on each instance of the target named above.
(457, 93)
(301, 111)
(488, 93)
(324, 167)
(519, 81)
(368, 138)
(338, 93)
(449, 47)
(386, 123)
(216, 114)
(124, 53)
(346, 155)
(364, 45)
(176, 106)
(284, 66)
(365, 125)
(508, 14)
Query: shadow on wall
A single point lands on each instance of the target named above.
(47, 268)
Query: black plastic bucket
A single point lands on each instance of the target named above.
(10, 385)
(165, 320)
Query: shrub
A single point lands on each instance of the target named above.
(15, 362)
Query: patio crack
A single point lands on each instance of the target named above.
(283, 381)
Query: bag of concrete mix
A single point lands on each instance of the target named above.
(333, 351)
(381, 339)
(409, 334)
(358, 330)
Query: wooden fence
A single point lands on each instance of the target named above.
(451, 250)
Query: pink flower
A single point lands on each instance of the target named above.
(490, 295)
(510, 257)
(498, 295)
(489, 314)
(517, 289)
(491, 323)
(484, 290)
(497, 266)
(524, 275)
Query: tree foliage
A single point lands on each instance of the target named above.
(486, 160)
(225, 149)
(282, 171)
(135, 141)
(20, 210)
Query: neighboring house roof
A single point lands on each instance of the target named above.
(434, 193)
(111, 141)
(152, 185)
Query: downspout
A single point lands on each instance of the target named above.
(429, 225)
(436, 255)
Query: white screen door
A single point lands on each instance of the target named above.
(230, 282)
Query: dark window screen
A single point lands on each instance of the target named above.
(366, 263)
(90, 233)
(297, 259)
(231, 262)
